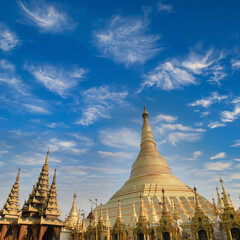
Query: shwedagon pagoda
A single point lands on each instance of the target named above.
(153, 204)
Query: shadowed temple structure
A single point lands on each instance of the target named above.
(152, 204)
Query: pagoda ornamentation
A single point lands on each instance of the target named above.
(10, 212)
(119, 230)
(230, 218)
(149, 171)
(167, 228)
(202, 228)
(40, 213)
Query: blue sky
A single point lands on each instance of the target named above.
(74, 76)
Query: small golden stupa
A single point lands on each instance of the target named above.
(150, 173)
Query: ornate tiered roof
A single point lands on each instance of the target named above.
(37, 201)
(52, 209)
(11, 207)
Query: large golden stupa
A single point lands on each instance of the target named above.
(150, 173)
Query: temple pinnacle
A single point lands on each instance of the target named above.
(46, 161)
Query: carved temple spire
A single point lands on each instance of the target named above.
(73, 214)
(52, 208)
(47, 157)
(226, 201)
(79, 222)
(197, 205)
(83, 222)
(142, 212)
(215, 208)
(119, 216)
(134, 217)
(11, 207)
(96, 217)
(38, 198)
(153, 216)
(220, 204)
(230, 200)
(107, 221)
(176, 216)
(164, 205)
(101, 215)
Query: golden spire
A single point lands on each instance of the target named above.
(149, 160)
(175, 212)
(46, 161)
(215, 208)
(134, 217)
(164, 206)
(52, 208)
(95, 217)
(38, 198)
(197, 205)
(79, 222)
(11, 207)
(225, 196)
(101, 214)
(74, 211)
(220, 204)
(153, 216)
(230, 200)
(107, 221)
(119, 217)
(83, 222)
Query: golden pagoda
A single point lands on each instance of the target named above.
(72, 218)
(40, 213)
(10, 212)
(149, 173)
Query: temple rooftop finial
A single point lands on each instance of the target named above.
(145, 113)
(46, 161)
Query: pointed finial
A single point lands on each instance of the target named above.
(54, 176)
(119, 210)
(46, 161)
(145, 113)
(164, 209)
(225, 196)
(101, 214)
(18, 175)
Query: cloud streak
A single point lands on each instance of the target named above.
(47, 17)
(57, 79)
(126, 40)
(177, 73)
(99, 101)
(8, 39)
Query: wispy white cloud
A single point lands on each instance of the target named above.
(216, 124)
(9, 77)
(8, 39)
(175, 73)
(36, 109)
(164, 7)
(168, 76)
(236, 144)
(57, 79)
(230, 116)
(208, 101)
(126, 40)
(217, 166)
(98, 102)
(197, 154)
(164, 118)
(235, 64)
(48, 17)
(117, 156)
(61, 145)
(120, 138)
(83, 140)
(180, 127)
(176, 137)
(219, 155)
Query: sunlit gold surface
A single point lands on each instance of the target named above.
(150, 172)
